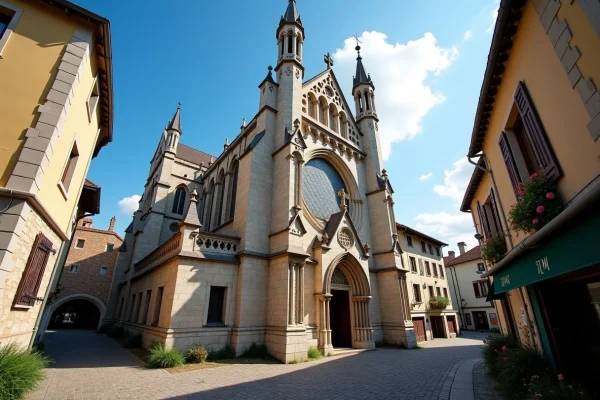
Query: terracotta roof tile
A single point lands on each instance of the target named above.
(91, 184)
(192, 155)
(473, 254)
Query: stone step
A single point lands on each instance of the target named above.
(346, 351)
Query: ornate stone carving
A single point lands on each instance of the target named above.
(338, 278)
(297, 73)
(345, 238)
(288, 70)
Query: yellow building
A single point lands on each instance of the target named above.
(56, 113)
(539, 113)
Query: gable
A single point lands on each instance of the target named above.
(326, 85)
(341, 233)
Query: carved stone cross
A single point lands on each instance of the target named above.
(343, 196)
(328, 60)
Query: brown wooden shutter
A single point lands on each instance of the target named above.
(476, 289)
(537, 136)
(509, 160)
(34, 271)
(482, 221)
(495, 211)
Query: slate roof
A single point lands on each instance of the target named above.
(473, 254)
(175, 123)
(361, 75)
(410, 230)
(192, 155)
(291, 14)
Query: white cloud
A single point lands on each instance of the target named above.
(494, 15)
(455, 181)
(399, 72)
(450, 228)
(425, 177)
(129, 205)
(468, 35)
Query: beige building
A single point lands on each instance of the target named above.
(56, 113)
(427, 280)
(286, 238)
(469, 290)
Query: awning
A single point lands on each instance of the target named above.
(572, 247)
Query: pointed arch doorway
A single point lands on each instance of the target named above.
(344, 306)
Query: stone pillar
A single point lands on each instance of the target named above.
(293, 39)
(292, 295)
(326, 115)
(300, 294)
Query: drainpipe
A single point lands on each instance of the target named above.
(457, 291)
(505, 221)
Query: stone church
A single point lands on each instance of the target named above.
(287, 238)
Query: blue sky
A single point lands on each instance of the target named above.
(426, 59)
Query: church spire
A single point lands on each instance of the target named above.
(291, 14)
(361, 76)
(175, 124)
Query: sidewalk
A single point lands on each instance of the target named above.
(467, 380)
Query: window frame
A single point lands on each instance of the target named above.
(409, 241)
(437, 251)
(82, 243)
(438, 291)
(442, 275)
(431, 291)
(105, 269)
(93, 99)
(178, 203)
(417, 293)
(35, 268)
(14, 19)
(427, 268)
(214, 323)
(413, 264)
(74, 270)
(69, 170)
(482, 267)
(430, 248)
(468, 319)
(110, 246)
(423, 247)
(445, 291)
(435, 271)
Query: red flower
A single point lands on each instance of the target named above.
(550, 195)
(503, 348)
(534, 175)
(535, 221)
(539, 209)
(561, 377)
(496, 350)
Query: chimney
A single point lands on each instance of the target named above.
(111, 226)
(452, 254)
(462, 246)
(85, 223)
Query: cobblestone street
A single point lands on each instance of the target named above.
(91, 366)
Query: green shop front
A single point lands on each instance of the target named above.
(561, 273)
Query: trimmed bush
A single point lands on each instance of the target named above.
(20, 371)
(132, 341)
(314, 353)
(225, 353)
(115, 331)
(439, 302)
(256, 351)
(159, 357)
(196, 355)
(494, 345)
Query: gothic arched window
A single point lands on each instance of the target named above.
(179, 202)
(234, 181)
(220, 198)
(289, 42)
(321, 185)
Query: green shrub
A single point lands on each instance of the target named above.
(102, 329)
(225, 353)
(293, 362)
(545, 387)
(132, 341)
(20, 371)
(314, 353)
(439, 302)
(493, 348)
(495, 330)
(256, 351)
(196, 355)
(494, 248)
(159, 357)
(115, 331)
(515, 367)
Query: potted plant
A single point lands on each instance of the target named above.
(438, 302)
(494, 248)
(538, 204)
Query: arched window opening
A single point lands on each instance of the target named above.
(333, 116)
(290, 38)
(311, 107)
(298, 45)
(208, 207)
(234, 181)
(179, 202)
(360, 103)
(220, 199)
(367, 101)
(281, 43)
(343, 126)
(322, 111)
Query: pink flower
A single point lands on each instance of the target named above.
(505, 358)
(550, 195)
(534, 175)
(540, 209)
(535, 221)
(496, 350)
(503, 348)
(561, 377)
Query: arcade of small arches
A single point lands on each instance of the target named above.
(290, 43)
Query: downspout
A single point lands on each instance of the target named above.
(457, 291)
(507, 233)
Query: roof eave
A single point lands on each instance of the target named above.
(416, 232)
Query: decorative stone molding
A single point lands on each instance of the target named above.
(40, 141)
(560, 36)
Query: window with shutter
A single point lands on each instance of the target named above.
(34, 271)
(537, 136)
(509, 160)
(495, 212)
(484, 231)
(476, 289)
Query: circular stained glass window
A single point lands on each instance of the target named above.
(320, 186)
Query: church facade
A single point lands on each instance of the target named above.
(287, 238)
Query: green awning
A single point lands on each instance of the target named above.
(573, 247)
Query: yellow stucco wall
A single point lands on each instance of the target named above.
(27, 71)
(563, 114)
